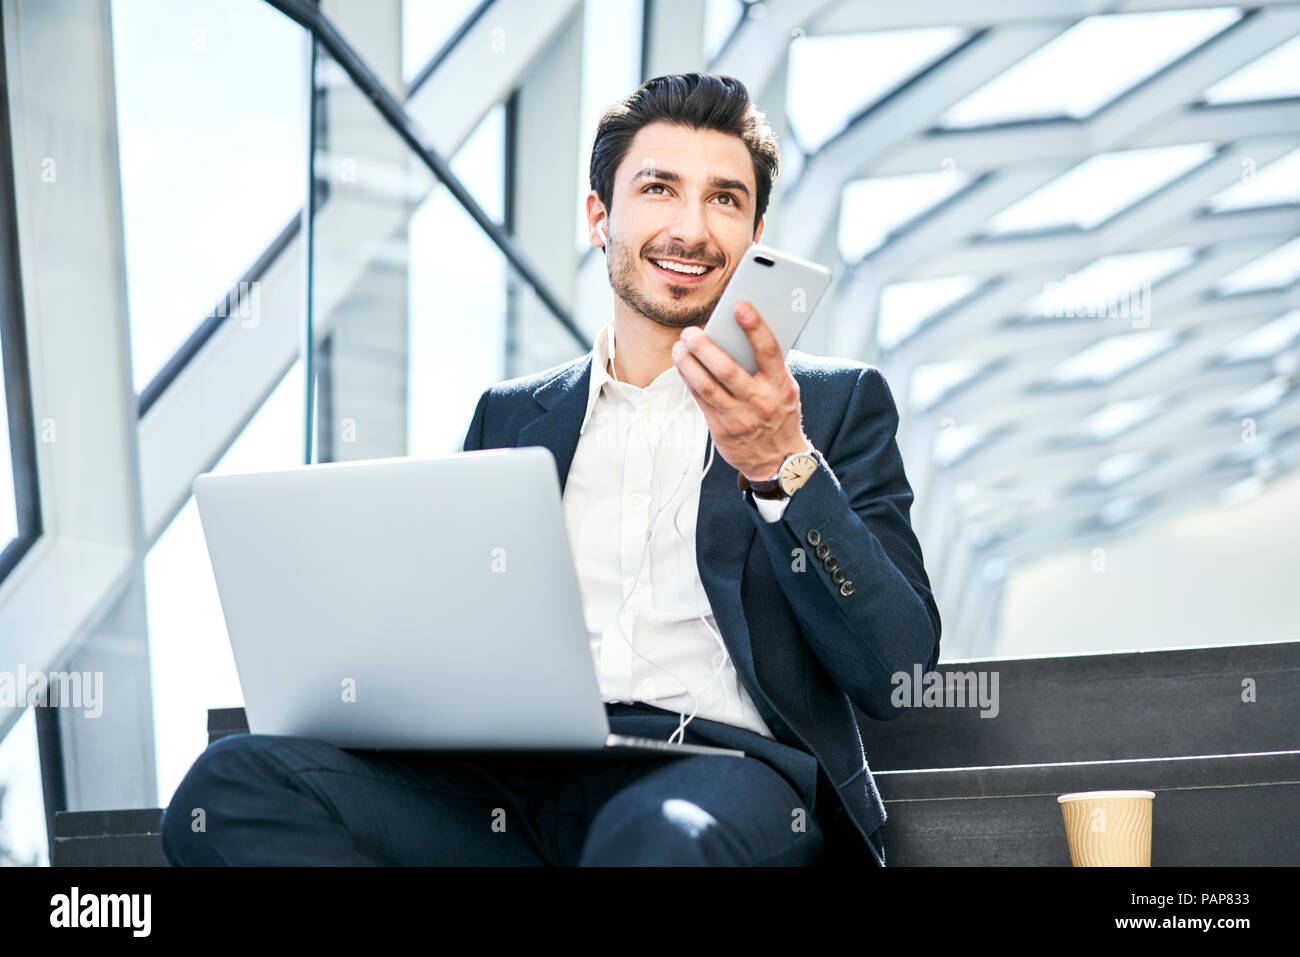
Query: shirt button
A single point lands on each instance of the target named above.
(636, 589)
(649, 415)
(814, 537)
(831, 563)
(635, 498)
(839, 575)
(822, 551)
(846, 588)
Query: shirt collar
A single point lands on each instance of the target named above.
(600, 353)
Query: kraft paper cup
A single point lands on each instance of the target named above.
(1108, 828)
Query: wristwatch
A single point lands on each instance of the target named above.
(794, 472)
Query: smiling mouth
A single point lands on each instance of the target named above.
(681, 272)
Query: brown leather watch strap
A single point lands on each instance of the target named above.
(769, 488)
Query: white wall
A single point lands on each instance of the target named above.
(1228, 575)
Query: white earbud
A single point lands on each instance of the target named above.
(600, 228)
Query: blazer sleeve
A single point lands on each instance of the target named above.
(857, 503)
(474, 437)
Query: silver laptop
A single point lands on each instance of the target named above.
(411, 604)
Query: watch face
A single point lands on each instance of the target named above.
(796, 471)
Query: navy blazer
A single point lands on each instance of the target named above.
(803, 648)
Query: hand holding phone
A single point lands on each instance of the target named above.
(783, 289)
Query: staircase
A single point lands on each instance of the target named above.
(964, 790)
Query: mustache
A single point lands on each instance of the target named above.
(683, 254)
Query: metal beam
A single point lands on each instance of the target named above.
(853, 17)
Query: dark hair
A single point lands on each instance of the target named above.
(698, 100)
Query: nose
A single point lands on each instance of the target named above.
(688, 227)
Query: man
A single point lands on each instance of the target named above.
(747, 602)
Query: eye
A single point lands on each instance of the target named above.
(654, 186)
(729, 197)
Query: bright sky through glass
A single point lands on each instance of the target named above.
(1113, 356)
(212, 130)
(426, 26)
(457, 293)
(22, 807)
(1088, 65)
(1274, 184)
(1266, 341)
(1105, 280)
(953, 443)
(1274, 270)
(611, 69)
(720, 18)
(1272, 76)
(1117, 417)
(904, 306)
(1122, 465)
(873, 208)
(191, 665)
(832, 78)
(933, 380)
(1100, 187)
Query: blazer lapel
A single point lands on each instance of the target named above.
(565, 400)
(723, 536)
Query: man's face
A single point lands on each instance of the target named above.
(680, 197)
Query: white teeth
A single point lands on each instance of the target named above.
(679, 267)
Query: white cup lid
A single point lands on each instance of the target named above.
(1084, 795)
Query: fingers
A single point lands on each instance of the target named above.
(721, 366)
(767, 351)
(699, 380)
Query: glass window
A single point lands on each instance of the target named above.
(1092, 290)
(1272, 77)
(426, 26)
(192, 667)
(932, 382)
(1275, 270)
(1066, 77)
(721, 17)
(457, 289)
(833, 78)
(906, 306)
(1266, 341)
(213, 137)
(873, 208)
(1111, 357)
(1100, 187)
(1275, 184)
(8, 507)
(611, 69)
(22, 802)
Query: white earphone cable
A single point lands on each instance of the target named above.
(724, 656)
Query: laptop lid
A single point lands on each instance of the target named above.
(406, 603)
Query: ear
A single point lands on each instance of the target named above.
(758, 233)
(597, 221)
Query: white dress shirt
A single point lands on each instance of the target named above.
(638, 463)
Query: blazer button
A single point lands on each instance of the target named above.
(822, 551)
(846, 589)
(814, 537)
(839, 575)
(831, 563)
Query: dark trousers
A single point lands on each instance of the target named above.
(256, 799)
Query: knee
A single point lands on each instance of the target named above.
(675, 833)
(226, 771)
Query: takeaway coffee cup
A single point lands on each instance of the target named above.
(1108, 828)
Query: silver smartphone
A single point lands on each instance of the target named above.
(785, 291)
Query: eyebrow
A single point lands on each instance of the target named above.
(668, 176)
